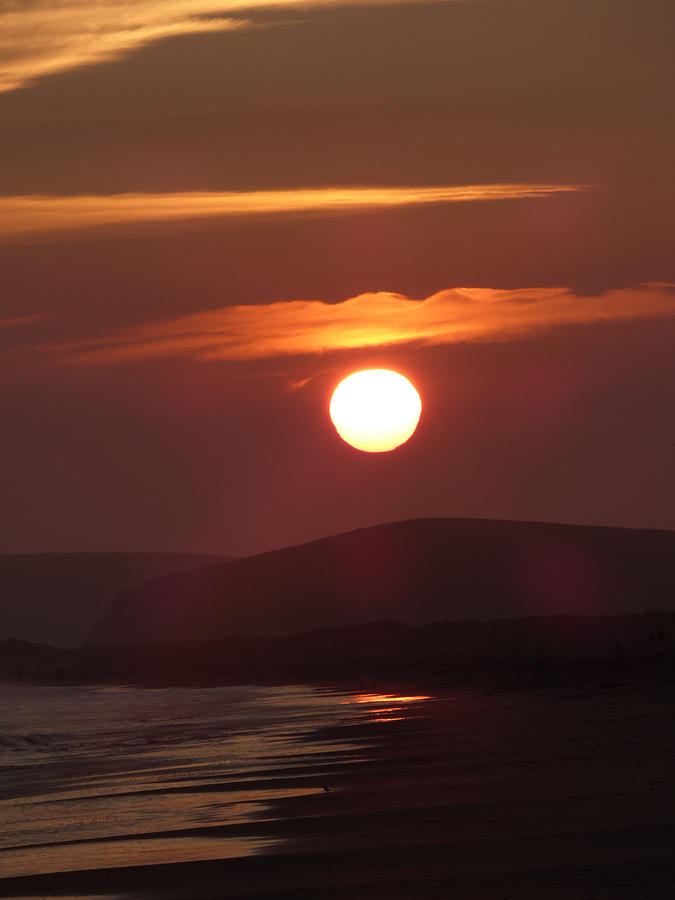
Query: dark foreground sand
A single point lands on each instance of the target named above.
(564, 792)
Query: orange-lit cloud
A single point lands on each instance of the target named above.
(15, 321)
(47, 36)
(24, 215)
(42, 37)
(371, 320)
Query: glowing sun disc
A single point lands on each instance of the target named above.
(375, 410)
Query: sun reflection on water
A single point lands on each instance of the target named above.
(384, 707)
(387, 698)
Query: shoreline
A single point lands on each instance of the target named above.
(494, 676)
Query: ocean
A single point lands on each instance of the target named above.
(128, 793)
(105, 776)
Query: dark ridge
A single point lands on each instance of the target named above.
(24, 660)
(414, 572)
(358, 654)
(364, 654)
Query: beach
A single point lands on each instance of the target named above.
(558, 792)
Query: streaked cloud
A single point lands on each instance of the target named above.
(370, 320)
(47, 36)
(23, 215)
(15, 321)
(43, 37)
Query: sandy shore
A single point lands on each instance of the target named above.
(557, 793)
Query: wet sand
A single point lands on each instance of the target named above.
(563, 792)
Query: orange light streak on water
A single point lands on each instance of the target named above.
(386, 698)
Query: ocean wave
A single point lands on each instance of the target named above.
(36, 741)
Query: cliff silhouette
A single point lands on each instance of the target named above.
(57, 598)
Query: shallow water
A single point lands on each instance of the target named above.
(97, 776)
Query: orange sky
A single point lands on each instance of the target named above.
(218, 210)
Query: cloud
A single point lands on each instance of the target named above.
(28, 214)
(370, 320)
(15, 321)
(47, 36)
(43, 37)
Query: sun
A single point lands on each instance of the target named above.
(375, 410)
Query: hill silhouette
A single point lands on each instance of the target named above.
(414, 572)
(56, 598)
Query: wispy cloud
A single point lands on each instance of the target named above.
(370, 320)
(42, 37)
(33, 214)
(15, 321)
(47, 36)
